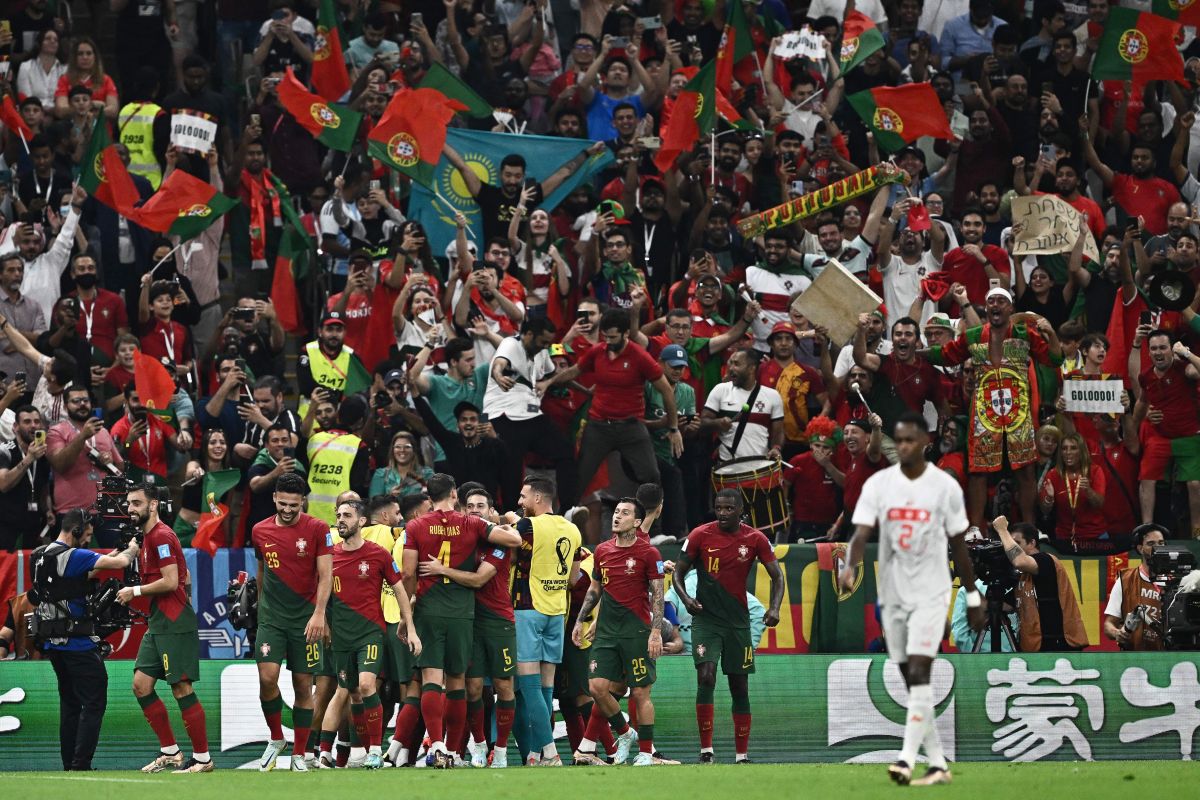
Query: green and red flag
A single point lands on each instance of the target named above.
(736, 44)
(213, 512)
(412, 132)
(449, 84)
(860, 38)
(291, 263)
(902, 114)
(1185, 12)
(334, 126)
(155, 385)
(103, 174)
(183, 206)
(1138, 46)
(329, 75)
(694, 114)
(357, 377)
(13, 120)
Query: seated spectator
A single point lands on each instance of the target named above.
(406, 472)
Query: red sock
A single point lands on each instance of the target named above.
(360, 726)
(374, 726)
(475, 722)
(646, 746)
(575, 727)
(456, 719)
(597, 725)
(704, 720)
(193, 722)
(406, 721)
(343, 755)
(413, 743)
(504, 722)
(160, 723)
(432, 711)
(632, 713)
(741, 733)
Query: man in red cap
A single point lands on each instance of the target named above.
(800, 386)
(326, 362)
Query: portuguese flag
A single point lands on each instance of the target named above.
(13, 120)
(449, 84)
(693, 115)
(412, 132)
(209, 534)
(291, 263)
(333, 126)
(155, 385)
(1139, 47)
(183, 206)
(1185, 12)
(103, 175)
(329, 75)
(902, 114)
(860, 38)
(735, 45)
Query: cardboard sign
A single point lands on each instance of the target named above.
(194, 131)
(1050, 226)
(1094, 397)
(835, 300)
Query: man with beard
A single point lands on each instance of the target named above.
(1062, 83)
(729, 156)
(975, 263)
(266, 412)
(294, 582)
(747, 417)
(1137, 194)
(773, 281)
(909, 380)
(1019, 112)
(1168, 402)
(43, 270)
(985, 154)
(607, 268)
(902, 273)
(1066, 185)
(326, 361)
(80, 451)
(259, 213)
(713, 229)
(1002, 432)
(1133, 590)
(24, 483)
(21, 312)
(1179, 221)
(469, 454)
(653, 225)
(860, 457)
(993, 220)
(800, 387)
(875, 344)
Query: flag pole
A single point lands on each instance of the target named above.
(712, 156)
(761, 80)
(452, 210)
(163, 260)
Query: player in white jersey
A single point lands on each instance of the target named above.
(916, 508)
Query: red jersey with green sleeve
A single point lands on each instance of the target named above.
(171, 612)
(354, 608)
(454, 539)
(723, 562)
(625, 574)
(493, 598)
(289, 557)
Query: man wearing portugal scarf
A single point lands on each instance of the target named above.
(260, 204)
(1003, 409)
(606, 265)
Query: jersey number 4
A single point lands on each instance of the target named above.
(444, 557)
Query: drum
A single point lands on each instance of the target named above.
(764, 493)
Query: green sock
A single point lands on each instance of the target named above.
(646, 734)
(328, 737)
(618, 724)
(187, 701)
(372, 701)
(302, 717)
(704, 695)
(148, 700)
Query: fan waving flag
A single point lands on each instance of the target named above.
(329, 75)
(103, 174)
(902, 114)
(412, 132)
(1185, 12)
(291, 264)
(13, 120)
(213, 513)
(154, 384)
(449, 84)
(183, 206)
(333, 126)
(735, 45)
(1139, 47)
(860, 38)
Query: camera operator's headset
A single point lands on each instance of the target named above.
(1139, 533)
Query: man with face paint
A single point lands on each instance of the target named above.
(326, 361)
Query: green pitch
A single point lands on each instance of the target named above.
(756, 782)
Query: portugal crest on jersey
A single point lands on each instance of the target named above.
(363, 568)
(301, 546)
(630, 565)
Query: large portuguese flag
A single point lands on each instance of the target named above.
(1185, 12)
(412, 132)
(860, 38)
(334, 126)
(209, 534)
(736, 44)
(902, 114)
(1137, 46)
(183, 206)
(103, 174)
(329, 75)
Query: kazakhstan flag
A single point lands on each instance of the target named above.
(483, 151)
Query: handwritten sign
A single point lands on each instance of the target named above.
(1049, 225)
(1094, 397)
(193, 131)
(804, 43)
(835, 300)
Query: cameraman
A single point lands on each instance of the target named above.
(61, 571)
(1046, 605)
(1135, 593)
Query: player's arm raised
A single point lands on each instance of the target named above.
(410, 631)
(472, 580)
(590, 600)
(655, 644)
(682, 567)
(316, 630)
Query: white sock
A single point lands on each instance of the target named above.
(202, 757)
(375, 749)
(549, 751)
(933, 743)
(394, 749)
(920, 714)
(587, 746)
(170, 751)
(740, 756)
(706, 749)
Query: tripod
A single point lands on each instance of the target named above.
(997, 621)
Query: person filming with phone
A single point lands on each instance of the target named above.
(24, 483)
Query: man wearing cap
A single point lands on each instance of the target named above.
(354, 302)
(800, 387)
(326, 361)
(674, 360)
(704, 371)
(773, 281)
(1002, 414)
(653, 225)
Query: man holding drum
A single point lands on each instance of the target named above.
(747, 416)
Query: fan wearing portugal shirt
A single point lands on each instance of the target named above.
(627, 584)
(723, 553)
(445, 615)
(294, 579)
(359, 569)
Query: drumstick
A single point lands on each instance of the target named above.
(858, 391)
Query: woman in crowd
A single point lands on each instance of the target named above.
(214, 457)
(39, 76)
(1074, 489)
(540, 265)
(406, 472)
(86, 68)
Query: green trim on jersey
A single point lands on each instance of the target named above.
(719, 605)
(617, 621)
(279, 604)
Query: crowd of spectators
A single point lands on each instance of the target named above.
(638, 340)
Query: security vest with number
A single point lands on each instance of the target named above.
(330, 457)
(136, 125)
(327, 373)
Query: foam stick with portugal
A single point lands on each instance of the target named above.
(836, 193)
